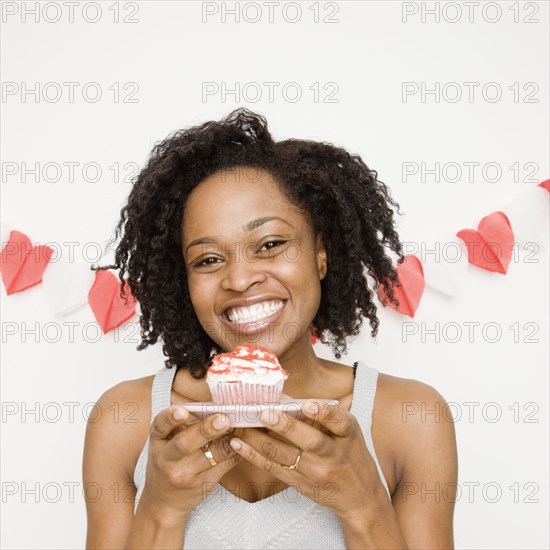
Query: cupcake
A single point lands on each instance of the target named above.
(247, 375)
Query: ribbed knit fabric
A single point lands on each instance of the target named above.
(288, 519)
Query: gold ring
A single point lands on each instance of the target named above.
(295, 465)
(208, 453)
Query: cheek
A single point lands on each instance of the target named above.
(296, 264)
(300, 276)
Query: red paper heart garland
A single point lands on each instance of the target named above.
(490, 247)
(104, 298)
(22, 263)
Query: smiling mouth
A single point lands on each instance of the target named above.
(255, 313)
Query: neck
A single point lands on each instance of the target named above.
(305, 370)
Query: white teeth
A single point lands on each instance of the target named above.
(255, 312)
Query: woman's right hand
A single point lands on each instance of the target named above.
(178, 473)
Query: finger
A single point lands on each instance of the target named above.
(197, 434)
(299, 433)
(167, 421)
(212, 474)
(250, 454)
(333, 418)
(197, 462)
(269, 445)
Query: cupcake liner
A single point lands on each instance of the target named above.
(239, 393)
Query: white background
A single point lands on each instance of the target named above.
(368, 52)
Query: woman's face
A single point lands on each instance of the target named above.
(253, 264)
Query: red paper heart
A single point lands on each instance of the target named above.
(411, 277)
(545, 185)
(22, 263)
(104, 298)
(490, 247)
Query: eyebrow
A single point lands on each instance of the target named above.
(250, 226)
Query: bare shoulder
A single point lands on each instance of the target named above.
(405, 394)
(120, 421)
(409, 417)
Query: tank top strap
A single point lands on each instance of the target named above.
(364, 392)
(362, 405)
(161, 390)
(160, 400)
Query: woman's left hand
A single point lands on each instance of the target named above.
(335, 468)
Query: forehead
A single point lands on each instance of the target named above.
(229, 198)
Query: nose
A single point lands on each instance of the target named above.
(241, 273)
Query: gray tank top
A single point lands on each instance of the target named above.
(286, 520)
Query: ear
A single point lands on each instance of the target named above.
(321, 256)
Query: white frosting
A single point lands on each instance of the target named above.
(260, 376)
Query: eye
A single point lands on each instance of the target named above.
(275, 243)
(205, 262)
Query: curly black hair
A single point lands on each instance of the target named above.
(342, 198)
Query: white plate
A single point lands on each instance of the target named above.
(248, 416)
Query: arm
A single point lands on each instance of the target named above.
(151, 529)
(177, 469)
(423, 439)
(377, 528)
(110, 454)
(425, 496)
(109, 513)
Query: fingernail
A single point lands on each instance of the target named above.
(235, 444)
(220, 422)
(269, 417)
(180, 413)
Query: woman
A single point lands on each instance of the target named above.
(222, 218)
